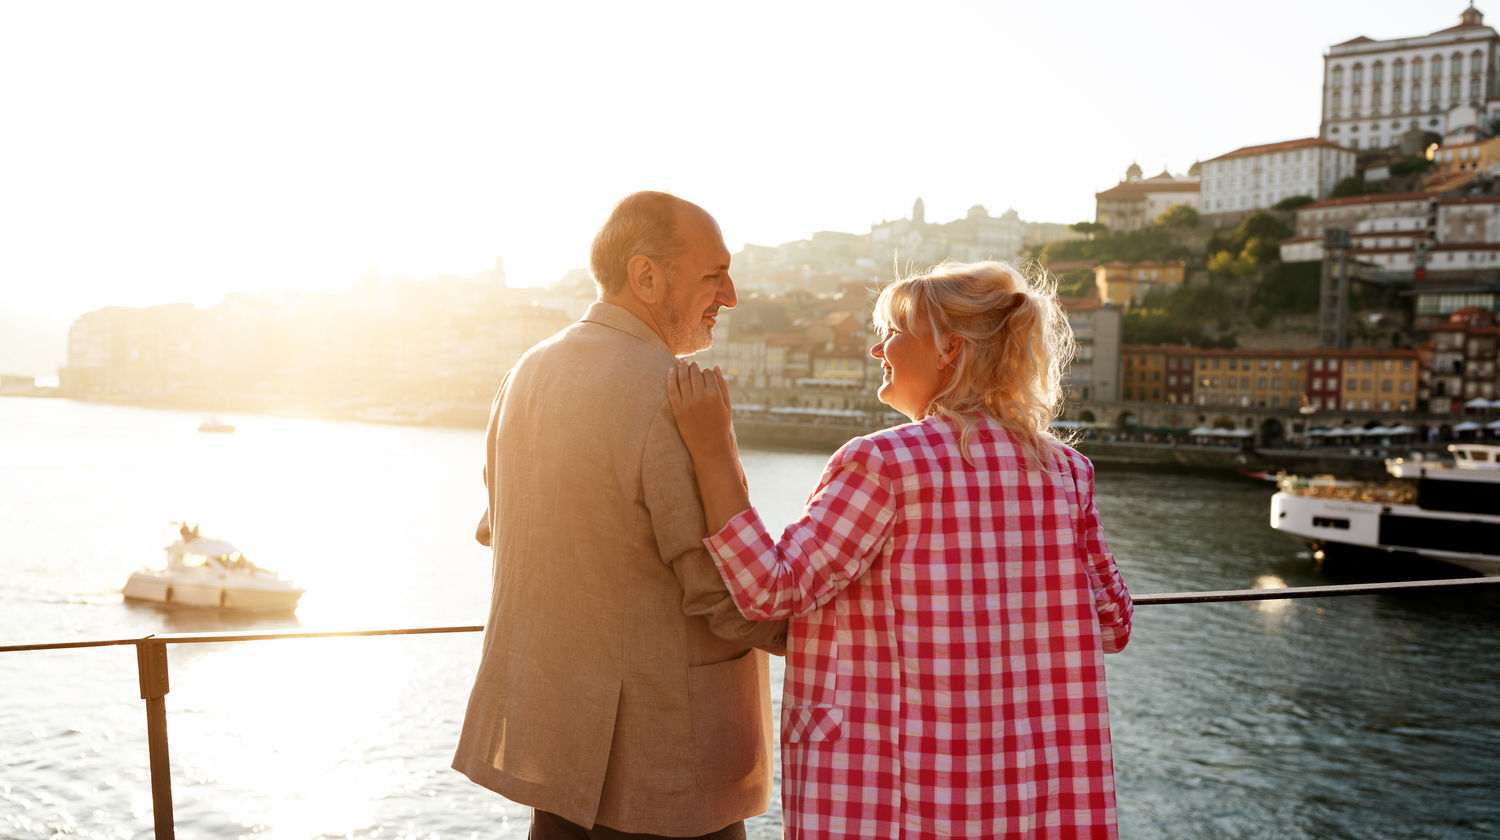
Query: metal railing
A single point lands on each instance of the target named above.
(151, 656)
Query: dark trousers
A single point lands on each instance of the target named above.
(547, 826)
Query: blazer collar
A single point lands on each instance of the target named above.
(622, 319)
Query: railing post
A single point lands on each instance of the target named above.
(151, 660)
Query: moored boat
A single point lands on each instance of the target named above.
(204, 572)
(1443, 510)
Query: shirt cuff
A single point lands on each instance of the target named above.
(741, 530)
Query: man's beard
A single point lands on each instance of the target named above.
(685, 336)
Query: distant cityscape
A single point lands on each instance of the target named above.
(1384, 229)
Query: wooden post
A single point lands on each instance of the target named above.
(151, 660)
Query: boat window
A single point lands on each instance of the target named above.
(1330, 522)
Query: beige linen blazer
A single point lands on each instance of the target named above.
(618, 685)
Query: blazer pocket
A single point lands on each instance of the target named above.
(813, 723)
(731, 719)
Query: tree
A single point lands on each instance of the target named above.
(1178, 216)
(1295, 201)
(1088, 228)
(1351, 185)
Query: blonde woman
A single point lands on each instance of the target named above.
(951, 592)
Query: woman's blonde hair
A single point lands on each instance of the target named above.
(1014, 343)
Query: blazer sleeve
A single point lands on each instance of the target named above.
(484, 532)
(844, 528)
(671, 496)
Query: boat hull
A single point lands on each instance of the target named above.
(212, 592)
(1394, 528)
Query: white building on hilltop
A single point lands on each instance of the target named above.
(1374, 91)
(1256, 177)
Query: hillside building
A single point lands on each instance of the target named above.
(1257, 177)
(1374, 91)
(1134, 203)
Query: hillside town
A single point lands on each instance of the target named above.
(1356, 269)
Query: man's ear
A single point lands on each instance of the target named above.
(645, 278)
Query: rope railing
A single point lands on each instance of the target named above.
(151, 655)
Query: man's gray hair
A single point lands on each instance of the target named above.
(642, 223)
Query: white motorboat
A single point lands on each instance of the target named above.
(1447, 511)
(203, 572)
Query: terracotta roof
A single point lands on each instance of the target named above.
(1137, 189)
(1323, 352)
(1284, 146)
(1469, 199)
(1376, 198)
(1069, 265)
(1419, 233)
(1079, 304)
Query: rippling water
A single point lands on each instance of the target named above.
(1362, 717)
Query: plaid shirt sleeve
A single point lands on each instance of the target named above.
(1111, 599)
(840, 533)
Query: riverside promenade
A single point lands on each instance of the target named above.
(1345, 462)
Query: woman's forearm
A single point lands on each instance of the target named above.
(722, 486)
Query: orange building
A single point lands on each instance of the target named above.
(1366, 380)
(1124, 284)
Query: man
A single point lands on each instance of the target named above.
(620, 690)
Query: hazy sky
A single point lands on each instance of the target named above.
(156, 152)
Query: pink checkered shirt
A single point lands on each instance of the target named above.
(945, 671)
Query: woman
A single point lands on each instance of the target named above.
(951, 591)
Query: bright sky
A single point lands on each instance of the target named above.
(156, 152)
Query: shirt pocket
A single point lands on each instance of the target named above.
(813, 723)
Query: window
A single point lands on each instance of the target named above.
(1357, 75)
(1296, 364)
(1338, 76)
(1333, 364)
(1317, 383)
(1416, 70)
(1476, 62)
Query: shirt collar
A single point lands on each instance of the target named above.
(622, 319)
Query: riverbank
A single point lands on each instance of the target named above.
(1360, 463)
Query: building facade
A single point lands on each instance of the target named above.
(1374, 91)
(1257, 177)
(1125, 284)
(1307, 380)
(1463, 357)
(1134, 203)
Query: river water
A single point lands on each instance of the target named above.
(1356, 717)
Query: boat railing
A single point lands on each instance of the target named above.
(151, 656)
(1327, 487)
